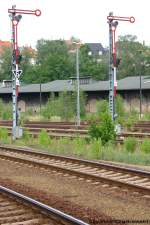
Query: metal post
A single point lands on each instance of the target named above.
(140, 95)
(113, 22)
(111, 72)
(40, 96)
(16, 72)
(78, 85)
(14, 95)
(14, 100)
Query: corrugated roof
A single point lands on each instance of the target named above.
(128, 83)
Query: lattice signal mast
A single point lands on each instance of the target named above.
(113, 61)
(16, 15)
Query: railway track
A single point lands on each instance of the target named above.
(18, 209)
(69, 129)
(141, 126)
(54, 129)
(39, 124)
(98, 173)
(139, 130)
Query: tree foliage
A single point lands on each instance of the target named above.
(56, 59)
(135, 57)
(5, 63)
(64, 106)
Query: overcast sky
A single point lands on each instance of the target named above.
(84, 19)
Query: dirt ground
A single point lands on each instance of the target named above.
(92, 202)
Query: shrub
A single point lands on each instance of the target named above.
(64, 106)
(44, 138)
(131, 120)
(145, 146)
(5, 110)
(104, 130)
(120, 111)
(4, 135)
(102, 107)
(96, 149)
(119, 106)
(26, 136)
(130, 144)
(79, 146)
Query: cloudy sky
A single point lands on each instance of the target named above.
(84, 19)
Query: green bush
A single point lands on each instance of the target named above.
(102, 107)
(130, 144)
(26, 136)
(43, 138)
(78, 146)
(4, 135)
(5, 110)
(130, 120)
(119, 106)
(64, 106)
(146, 116)
(145, 146)
(104, 130)
(96, 149)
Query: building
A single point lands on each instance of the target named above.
(128, 88)
(4, 44)
(95, 49)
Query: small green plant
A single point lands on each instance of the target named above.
(96, 149)
(130, 120)
(130, 144)
(104, 130)
(27, 137)
(79, 146)
(119, 106)
(4, 135)
(145, 146)
(43, 138)
(102, 107)
(5, 110)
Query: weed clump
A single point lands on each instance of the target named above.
(103, 130)
(43, 138)
(4, 138)
(145, 146)
(130, 144)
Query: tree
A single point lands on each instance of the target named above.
(27, 64)
(133, 56)
(5, 63)
(53, 61)
(97, 67)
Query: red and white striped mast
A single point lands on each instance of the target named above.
(113, 23)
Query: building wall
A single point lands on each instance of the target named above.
(131, 100)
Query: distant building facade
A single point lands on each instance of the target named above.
(128, 88)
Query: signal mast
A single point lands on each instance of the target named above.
(113, 60)
(16, 15)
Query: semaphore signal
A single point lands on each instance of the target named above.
(113, 60)
(16, 15)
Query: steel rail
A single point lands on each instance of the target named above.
(44, 208)
(110, 181)
(134, 171)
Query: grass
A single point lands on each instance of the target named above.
(92, 150)
(79, 147)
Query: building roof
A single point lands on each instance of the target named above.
(95, 48)
(4, 44)
(128, 83)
